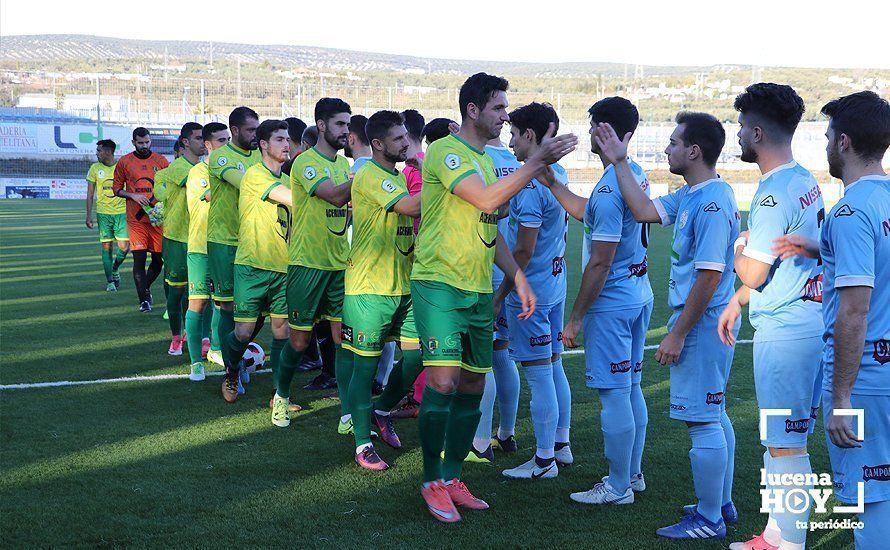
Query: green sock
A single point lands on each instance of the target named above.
(287, 366)
(175, 297)
(107, 264)
(462, 423)
(233, 351)
(275, 356)
(431, 424)
(193, 329)
(214, 327)
(226, 324)
(400, 381)
(343, 364)
(206, 321)
(119, 258)
(358, 400)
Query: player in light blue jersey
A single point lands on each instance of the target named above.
(855, 252)
(502, 383)
(785, 298)
(706, 223)
(613, 306)
(537, 231)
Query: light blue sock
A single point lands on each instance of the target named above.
(787, 519)
(482, 439)
(384, 366)
(641, 421)
(729, 434)
(875, 530)
(617, 422)
(507, 377)
(544, 408)
(564, 401)
(708, 458)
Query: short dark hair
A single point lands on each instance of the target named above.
(268, 127)
(436, 129)
(479, 89)
(414, 123)
(295, 128)
(381, 122)
(141, 131)
(705, 131)
(239, 115)
(865, 118)
(618, 112)
(357, 126)
(536, 117)
(310, 135)
(211, 128)
(777, 105)
(328, 107)
(107, 144)
(177, 146)
(188, 128)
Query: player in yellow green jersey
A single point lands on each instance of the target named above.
(227, 166)
(451, 289)
(321, 185)
(377, 306)
(170, 189)
(111, 212)
(261, 260)
(199, 318)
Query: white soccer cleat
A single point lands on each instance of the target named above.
(532, 470)
(197, 373)
(564, 456)
(637, 482)
(602, 494)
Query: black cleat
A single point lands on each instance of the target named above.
(308, 364)
(145, 307)
(506, 445)
(321, 382)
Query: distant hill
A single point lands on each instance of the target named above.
(55, 47)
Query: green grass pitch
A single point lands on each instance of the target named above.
(169, 463)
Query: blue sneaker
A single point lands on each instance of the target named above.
(694, 526)
(240, 386)
(728, 511)
(243, 375)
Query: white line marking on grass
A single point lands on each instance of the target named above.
(161, 377)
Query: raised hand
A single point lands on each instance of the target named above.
(555, 147)
(610, 145)
(788, 246)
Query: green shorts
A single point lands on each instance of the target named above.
(112, 227)
(259, 292)
(175, 254)
(221, 264)
(455, 326)
(313, 295)
(199, 277)
(370, 320)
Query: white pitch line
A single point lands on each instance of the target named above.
(160, 377)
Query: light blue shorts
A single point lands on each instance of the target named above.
(698, 379)
(613, 346)
(787, 374)
(501, 328)
(870, 463)
(539, 336)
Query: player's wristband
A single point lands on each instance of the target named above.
(741, 241)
